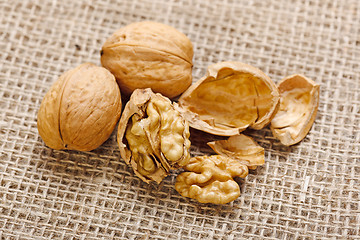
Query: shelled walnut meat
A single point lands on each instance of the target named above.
(149, 55)
(210, 179)
(231, 97)
(152, 136)
(80, 110)
(299, 102)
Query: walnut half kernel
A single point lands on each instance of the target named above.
(210, 179)
(152, 136)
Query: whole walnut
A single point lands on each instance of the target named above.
(80, 110)
(149, 55)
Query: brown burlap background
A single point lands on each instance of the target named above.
(307, 191)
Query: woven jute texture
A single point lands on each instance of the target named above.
(307, 191)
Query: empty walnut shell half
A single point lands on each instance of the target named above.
(242, 148)
(299, 101)
(80, 110)
(149, 55)
(231, 97)
(153, 137)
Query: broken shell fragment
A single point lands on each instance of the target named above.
(299, 101)
(231, 97)
(242, 148)
(152, 136)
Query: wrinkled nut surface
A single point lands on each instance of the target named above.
(80, 110)
(149, 55)
(299, 101)
(231, 97)
(152, 136)
(242, 148)
(210, 179)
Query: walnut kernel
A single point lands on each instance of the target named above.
(152, 136)
(210, 179)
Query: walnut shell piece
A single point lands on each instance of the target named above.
(210, 179)
(299, 101)
(231, 97)
(153, 137)
(80, 110)
(149, 55)
(242, 148)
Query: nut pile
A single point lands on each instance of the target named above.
(152, 63)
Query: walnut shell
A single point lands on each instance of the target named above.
(153, 137)
(299, 101)
(231, 97)
(242, 148)
(149, 55)
(80, 110)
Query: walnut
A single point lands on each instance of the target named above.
(210, 179)
(80, 110)
(242, 148)
(149, 55)
(152, 136)
(231, 97)
(299, 101)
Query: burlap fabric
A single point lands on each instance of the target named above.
(307, 191)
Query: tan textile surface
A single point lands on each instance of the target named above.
(307, 191)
